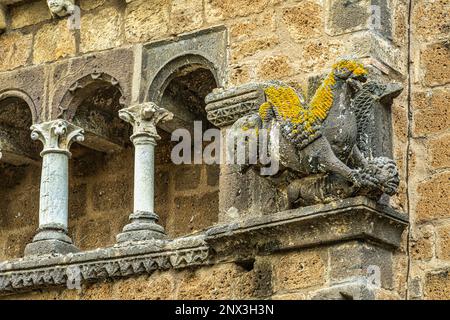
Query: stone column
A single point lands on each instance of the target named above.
(143, 221)
(57, 136)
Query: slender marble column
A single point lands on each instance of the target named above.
(57, 136)
(144, 118)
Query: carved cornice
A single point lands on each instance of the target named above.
(57, 136)
(115, 262)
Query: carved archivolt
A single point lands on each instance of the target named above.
(14, 93)
(81, 89)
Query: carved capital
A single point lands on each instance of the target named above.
(144, 118)
(61, 8)
(57, 136)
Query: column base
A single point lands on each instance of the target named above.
(50, 240)
(142, 227)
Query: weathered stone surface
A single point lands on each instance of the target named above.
(61, 38)
(29, 13)
(3, 19)
(422, 243)
(159, 286)
(431, 112)
(146, 20)
(218, 10)
(187, 177)
(216, 282)
(94, 233)
(191, 214)
(304, 21)
(186, 15)
(113, 194)
(15, 50)
(347, 16)
(91, 4)
(77, 201)
(443, 242)
(248, 48)
(434, 59)
(254, 26)
(434, 198)
(364, 258)
(274, 67)
(437, 285)
(106, 22)
(431, 19)
(299, 270)
(440, 152)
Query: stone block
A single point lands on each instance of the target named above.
(431, 112)
(440, 152)
(434, 198)
(298, 270)
(242, 50)
(347, 16)
(113, 196)
(186, 15)
(431, 19)
(274, 67)
(213, 175)
(210, 283)
(364, 259)
(91, 4)
(434, 60)
(3, 19)
(146, 20)
(187, 177)
(191, 214)
(422, 243)
(304, 21)
(15, 50)
(61, 38)
(22, 208)
(437, 285)
(95, 291)
(16, 242)
(94, 233)
(159, 286)
(28, 14)
(219, 10)
(101, 30)
(443, 242)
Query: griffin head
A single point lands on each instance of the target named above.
(351, 71)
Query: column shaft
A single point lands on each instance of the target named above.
(54, 200)
(144, 172)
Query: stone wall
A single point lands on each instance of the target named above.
(290, 40)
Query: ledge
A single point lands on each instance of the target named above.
(346, 220)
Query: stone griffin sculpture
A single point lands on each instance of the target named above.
(324, 146)
(61, 8)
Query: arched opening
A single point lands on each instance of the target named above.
(187, 199)
(19, 175)
(101, 169)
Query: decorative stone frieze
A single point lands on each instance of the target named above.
(92, 266)
(57, 136)
(144, 118)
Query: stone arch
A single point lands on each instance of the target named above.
(92, 102)
(19, 94)
(17, 113)
(169, 71)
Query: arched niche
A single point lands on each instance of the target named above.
(101, 168)
(186, 194)
(19, 173)
(181, 86)
(93, 103)
(17, 114)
